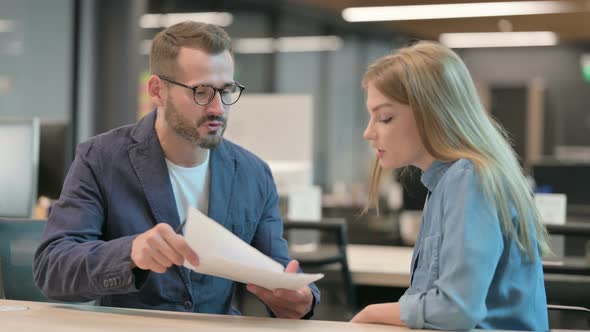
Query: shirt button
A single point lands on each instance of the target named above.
(188, 305)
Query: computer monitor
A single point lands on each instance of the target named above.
(572, 179)
(19, 155)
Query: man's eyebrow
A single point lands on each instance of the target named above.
(224, 85)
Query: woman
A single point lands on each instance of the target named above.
(477, 259)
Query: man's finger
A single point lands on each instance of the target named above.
(281, 306)
(292, 267)
(266, 295)
(153, 265)
(178, 243)
(285, 314)
(162, 246)
(288, 295)
(261, 292)
(158, 257)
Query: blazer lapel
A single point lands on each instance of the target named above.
(223, 169)
(147, 159)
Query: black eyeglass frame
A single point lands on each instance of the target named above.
(195, 87)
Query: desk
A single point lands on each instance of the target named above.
(64, 318)
(572, 228)
(371, 265)
(390, 266)
(380, 265)
(567, 265)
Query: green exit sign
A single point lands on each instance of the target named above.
(585, 63)
(586, 73)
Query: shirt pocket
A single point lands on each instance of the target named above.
(428, 264)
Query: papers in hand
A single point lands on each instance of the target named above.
(223, 254)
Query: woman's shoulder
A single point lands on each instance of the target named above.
(459, 169)
(462, 165)
(461, 178)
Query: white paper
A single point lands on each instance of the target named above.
(223, 254)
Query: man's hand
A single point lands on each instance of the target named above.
(160, 247)
(286, 303)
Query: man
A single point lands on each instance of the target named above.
(111, 237)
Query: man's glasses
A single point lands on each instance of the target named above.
(203, 94)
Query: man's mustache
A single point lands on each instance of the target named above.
(205, 119)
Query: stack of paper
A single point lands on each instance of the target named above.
(223, 254)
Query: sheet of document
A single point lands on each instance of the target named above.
(223, 254)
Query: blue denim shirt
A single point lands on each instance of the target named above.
(465, 273)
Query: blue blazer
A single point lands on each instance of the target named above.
(118, 187)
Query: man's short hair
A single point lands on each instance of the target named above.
(167, 44)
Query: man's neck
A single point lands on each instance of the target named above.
(177, 149)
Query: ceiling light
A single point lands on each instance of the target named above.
(156, 21)
(498, 39)
(271, 45)
(309, 44)
(456, 10)
(253, 45)
(287, 44)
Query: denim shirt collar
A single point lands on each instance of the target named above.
(434, 173)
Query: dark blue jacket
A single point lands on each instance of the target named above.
(118, 187)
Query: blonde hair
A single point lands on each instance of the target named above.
(453, 124)
(167, 44)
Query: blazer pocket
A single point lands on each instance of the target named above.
(244, 230)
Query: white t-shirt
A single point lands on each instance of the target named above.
(190, 186)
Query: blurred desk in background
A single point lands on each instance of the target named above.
(579, 262)
(367, 229)
(380, 265)
(571, 239)
(370, 265)
(573, 227)
(567, 265)
(390, 266)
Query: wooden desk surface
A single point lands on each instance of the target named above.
(48, 317)
(380, 265)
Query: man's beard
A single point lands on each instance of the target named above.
(185, 129)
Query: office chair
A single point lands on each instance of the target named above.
(568, 317)
(331, 252)
(19, 239)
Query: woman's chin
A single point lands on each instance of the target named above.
(387, 165)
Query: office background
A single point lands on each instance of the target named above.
(78, 65)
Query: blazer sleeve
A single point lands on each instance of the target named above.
(71, 262)
(269, 233)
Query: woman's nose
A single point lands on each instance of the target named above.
(369, 133)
